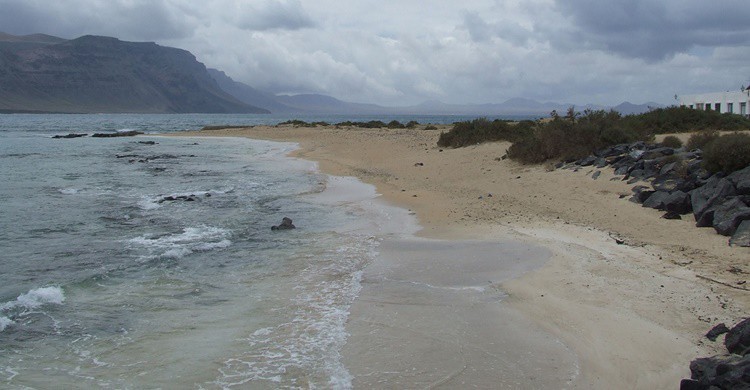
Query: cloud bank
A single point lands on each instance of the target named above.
(397, 53)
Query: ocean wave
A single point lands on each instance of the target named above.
(68, 191)
(179, 245)
(5, 322)
(312, 338)
(31, 300)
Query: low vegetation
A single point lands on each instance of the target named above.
(575, 135)
(727, 153)
(700, 139)
(671, 141)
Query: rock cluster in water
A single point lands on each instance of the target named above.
(674, 180)
(729, 371)
(286, 224)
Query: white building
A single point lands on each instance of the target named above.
(724, 102)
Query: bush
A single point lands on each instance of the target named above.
(478, 131)
(671, 141)
(727, 153)
(412, 124)
(430, 127)
(700, 139)
(394, 124)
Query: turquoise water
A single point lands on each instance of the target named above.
(106, 283)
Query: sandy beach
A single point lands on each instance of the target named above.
(460, 306)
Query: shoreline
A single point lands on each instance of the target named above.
(618, 307)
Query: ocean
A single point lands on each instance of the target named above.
(149, 262)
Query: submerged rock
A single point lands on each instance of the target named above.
(286, 224)
(71, 135)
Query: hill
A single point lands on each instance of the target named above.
(93, 74)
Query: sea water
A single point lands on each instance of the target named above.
(149, 262)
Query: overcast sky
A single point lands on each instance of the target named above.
(399, 52)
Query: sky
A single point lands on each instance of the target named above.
(404, 52)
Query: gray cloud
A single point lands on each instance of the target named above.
(404, 52)
(655, 30)
(274, 14)
(134, 20)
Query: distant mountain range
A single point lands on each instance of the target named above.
(93, 74)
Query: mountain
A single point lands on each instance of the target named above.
(517, 106)
(627, 108)
(322, 104)
(248, 94)
(93, 74)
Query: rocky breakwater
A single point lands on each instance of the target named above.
(728, 371)
(675, 181)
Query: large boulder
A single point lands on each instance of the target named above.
(737, 339)
(741, 236)
(731, 372)
(704, 199)
(677, 202)
(741, 180)
(729, 214)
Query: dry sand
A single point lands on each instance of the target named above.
(633, 315)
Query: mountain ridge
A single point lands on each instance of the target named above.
(93, 74)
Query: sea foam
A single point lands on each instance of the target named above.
(31, 300)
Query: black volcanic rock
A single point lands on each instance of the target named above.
(94, 74)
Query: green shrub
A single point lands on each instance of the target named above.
(671, 141)
(700, 139)
(728, 153)
(412, 124)
(394, 124)
(430, 127)
(480, 130)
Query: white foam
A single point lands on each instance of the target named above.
(5, 322)
(68, 191)
(36, 298)
(179, 245)
(31, 300)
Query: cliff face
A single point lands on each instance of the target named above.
(94, 74)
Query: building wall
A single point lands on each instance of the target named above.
(732, 102)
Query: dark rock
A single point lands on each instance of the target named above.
(147, 142)
(623, 170)
(667, 183)
(656, 200)
(671, 215)
(729, 215)
(690, 384)
(71, 135)
(705, 198)
(741, 236)
(184, 198)
(586, 161)
(657, 153)
(737, 340)
(717, 331)
(286, 224)
(130, 133)
(640, 194)
(600, 162)
(596, 175)
(721, 372)
(678, 202)
(667, 168)
(741, 180)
